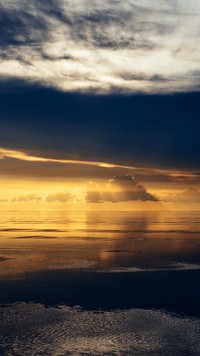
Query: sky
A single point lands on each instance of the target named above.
(100, 103)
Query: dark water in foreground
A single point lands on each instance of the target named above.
(100, 283)
(34, 330)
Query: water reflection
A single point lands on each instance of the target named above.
(67, 259)
(70, 331)
(34, 241)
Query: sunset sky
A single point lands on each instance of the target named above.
(99, 104)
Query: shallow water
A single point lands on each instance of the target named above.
(35, 330)
(35, 241)
(133, 275)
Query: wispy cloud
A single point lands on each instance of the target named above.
(102, 45)
(7, 153)
(146, 173)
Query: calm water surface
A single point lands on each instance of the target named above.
(99, 283)
(35, 241)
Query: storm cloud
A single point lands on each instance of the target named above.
(144, 130)
(119, 189)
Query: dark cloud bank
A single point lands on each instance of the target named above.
(158, 130)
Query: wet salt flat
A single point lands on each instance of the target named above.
(99, 283)
(36, 330)
(35, 241)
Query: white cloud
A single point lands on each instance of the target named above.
(102, 45)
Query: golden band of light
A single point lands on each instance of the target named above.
(7, 153)
(23, 156)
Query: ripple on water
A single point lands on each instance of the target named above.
(31, 329)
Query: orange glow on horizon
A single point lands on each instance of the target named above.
(23, 156)
(54, 192)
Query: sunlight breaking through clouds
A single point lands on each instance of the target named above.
(102, 46)
(120, 188)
